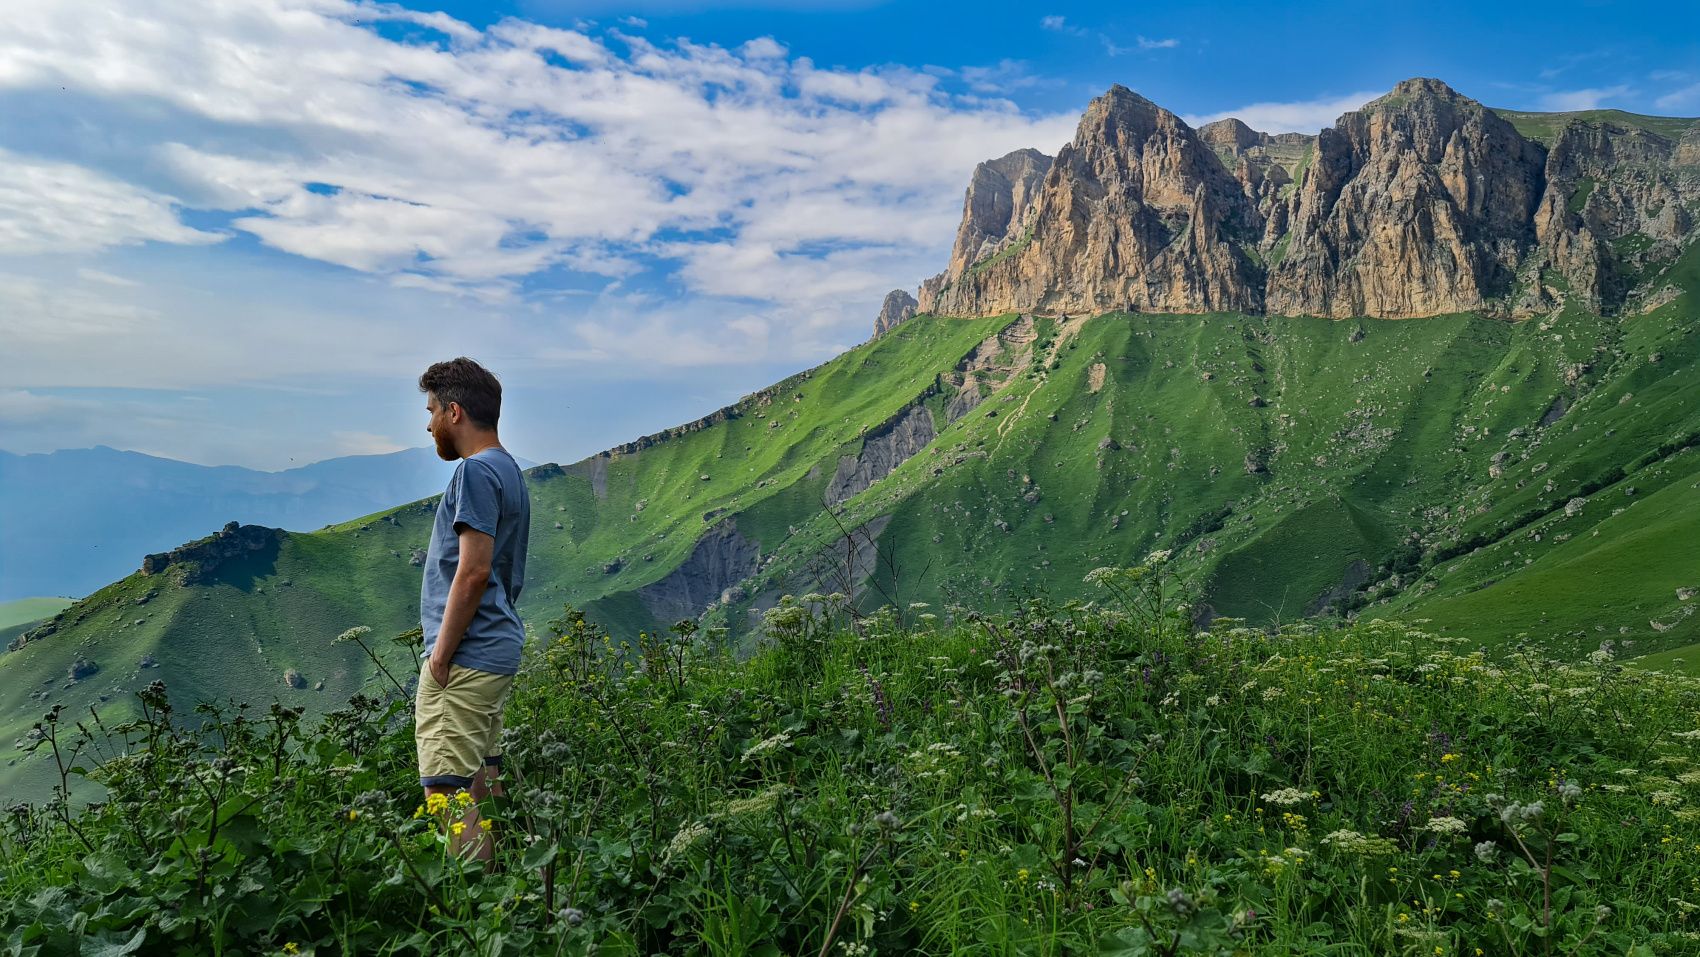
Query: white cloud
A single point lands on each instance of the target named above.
(1059, 24)
(48, 206)
(550, 198)
(1299, 116)
(1565, 101)
(1003, 77)
(763, 48)
(364, 443)
(503, 152)
(1141, 45)
(1685, 98)
(95, 275)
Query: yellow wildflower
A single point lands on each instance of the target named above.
(457, 827)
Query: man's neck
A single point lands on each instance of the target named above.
(491, 443)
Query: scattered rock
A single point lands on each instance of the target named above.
(147, 662)
(293, 679)
(417, 559)
(614, 566)
(81, 668)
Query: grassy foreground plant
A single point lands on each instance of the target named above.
(1071, 779)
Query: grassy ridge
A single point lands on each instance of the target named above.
(22, 611)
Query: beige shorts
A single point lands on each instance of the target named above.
(458, 729)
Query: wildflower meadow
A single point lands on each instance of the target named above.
(1070, 778)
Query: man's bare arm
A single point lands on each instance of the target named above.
(472, 576)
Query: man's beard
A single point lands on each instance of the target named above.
(445, 451)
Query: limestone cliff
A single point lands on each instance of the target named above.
(898, 307)
(1135, 212)
(1420, 203)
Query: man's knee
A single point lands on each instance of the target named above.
(487, 781)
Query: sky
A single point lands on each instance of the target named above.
(236, 232)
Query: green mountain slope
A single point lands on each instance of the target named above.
(21, 611)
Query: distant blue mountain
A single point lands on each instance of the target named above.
(74, 520)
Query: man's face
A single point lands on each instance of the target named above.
(438, 426)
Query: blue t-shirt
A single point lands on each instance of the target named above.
(487, 493)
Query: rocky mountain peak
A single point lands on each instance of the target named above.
(1231, 134)
(898, 307)
(1117, 110)
(1136, 212)
(1423, 86)
(1422, 202)
(1418, 204)
(999, 198)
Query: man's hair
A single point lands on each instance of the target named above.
(466, 382)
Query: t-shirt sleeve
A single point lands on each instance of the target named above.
(478, 497)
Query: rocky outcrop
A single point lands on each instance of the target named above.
(1135, 213)
(721, 559)
(898, 307)
(1423, 202)
(1617, 202)
(990, 365)
(198, 561)
(999, 205)
(1420, 203)
(883, 450)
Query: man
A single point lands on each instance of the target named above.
(474, 570)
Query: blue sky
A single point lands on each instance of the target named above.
(235, 233)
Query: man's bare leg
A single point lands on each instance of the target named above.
(472, 835)
(487, 783)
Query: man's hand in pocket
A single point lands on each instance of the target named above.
(439, 672)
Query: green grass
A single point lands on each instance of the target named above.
(1014, 248)
(26, 610)
(1544, 127)
(1069, 780)
(1579, 199)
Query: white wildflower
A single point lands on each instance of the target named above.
(1447, 826)
(1287, 797)
(775, 743)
